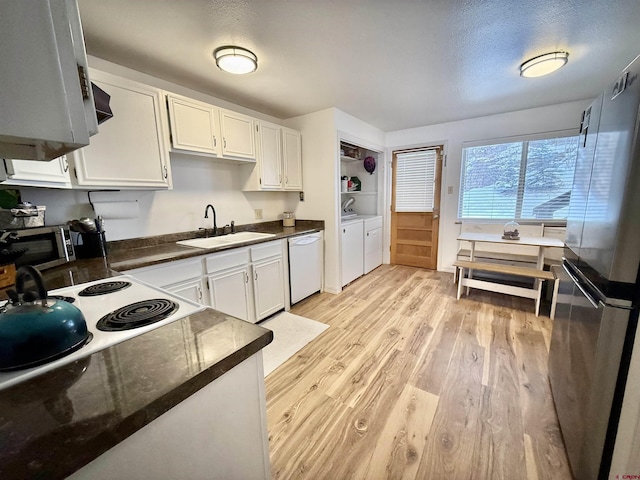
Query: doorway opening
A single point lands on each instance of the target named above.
(415, 206)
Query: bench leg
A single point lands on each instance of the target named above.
(538, 297)
(554, 299)
(460, 271)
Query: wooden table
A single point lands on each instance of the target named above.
(540, 242)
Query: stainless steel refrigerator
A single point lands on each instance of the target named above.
(593, 368)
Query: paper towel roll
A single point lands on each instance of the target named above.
(122, 209)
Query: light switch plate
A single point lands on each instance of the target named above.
(258, 212)
(450, 189)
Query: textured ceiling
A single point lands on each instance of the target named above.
(394, 64)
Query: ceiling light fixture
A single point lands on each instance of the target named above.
(544, 64)
(236, 60)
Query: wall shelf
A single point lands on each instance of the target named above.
(358, 193)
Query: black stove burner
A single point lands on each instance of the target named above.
(137, 315)
(104, 288)
(62, 297)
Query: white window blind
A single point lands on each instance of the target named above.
(526, 178)
(415, 181)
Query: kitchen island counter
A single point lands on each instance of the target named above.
(52, 425)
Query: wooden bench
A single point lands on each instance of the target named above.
(534, 293)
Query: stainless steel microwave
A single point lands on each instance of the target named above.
(45, 247)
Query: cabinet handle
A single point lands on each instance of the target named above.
(367, 234)
(255, 276)
(246, 277)
(214, 141)
(66, 164)
(224, 142)
(166, 174)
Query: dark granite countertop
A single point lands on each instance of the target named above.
(142, 252)
(56, 423)
(53, 424)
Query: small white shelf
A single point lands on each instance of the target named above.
(351, 159)
(358, 193)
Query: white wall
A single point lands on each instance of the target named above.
(319, 154)
(321, 133)
(452, 134)
(197, 181)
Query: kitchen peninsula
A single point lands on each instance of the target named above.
(180, 399)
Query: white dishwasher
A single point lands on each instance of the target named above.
(305, 265)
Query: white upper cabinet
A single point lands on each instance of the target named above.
(292, 159)
(269, 156)
(31, 173)
(279, 159)
(194, 126)
(129, 150)
(238, 135)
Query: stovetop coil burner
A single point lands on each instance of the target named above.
(104, 288)
(62, 297)
(137, 315)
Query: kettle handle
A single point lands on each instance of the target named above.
(26, 272)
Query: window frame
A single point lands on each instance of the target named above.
(524, 140)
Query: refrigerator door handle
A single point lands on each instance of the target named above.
(592, 301)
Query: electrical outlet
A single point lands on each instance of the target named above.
(258, 212)
(302, 196)
(450, 190)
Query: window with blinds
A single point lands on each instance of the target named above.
(526, 178)
(415, 181)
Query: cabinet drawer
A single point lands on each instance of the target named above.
(372, 223)
(223, 261)
(169, 273)
(266, 250)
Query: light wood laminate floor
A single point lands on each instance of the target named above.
(409, 383)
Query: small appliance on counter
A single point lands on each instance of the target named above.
(24, 215)
(91, 241)
(288, 219)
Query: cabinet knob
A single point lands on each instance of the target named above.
(344, 230)
(367, 234)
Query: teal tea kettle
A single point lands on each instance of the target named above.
(35, 330)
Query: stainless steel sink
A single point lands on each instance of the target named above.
(224, 240)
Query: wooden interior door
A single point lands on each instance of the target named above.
(414, 235)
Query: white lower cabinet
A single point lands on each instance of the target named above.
(219, 432)
(229, 292)
(352, 251)
(246, 282)
(268, 287)
(191, 290)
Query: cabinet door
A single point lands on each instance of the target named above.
(372, 249)
(190, 290)
(268, 287)
(53, 174)
(238, 135)
(194, 126)
(352, 252)
(292, 159)
(129, 150)
(269, 156)
(229, 292)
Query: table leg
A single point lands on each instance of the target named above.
(472, 255)
(539, 265)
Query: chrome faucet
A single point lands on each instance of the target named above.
(206, 215)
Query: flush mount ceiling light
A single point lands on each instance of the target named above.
(236, 60)
(543, 64)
